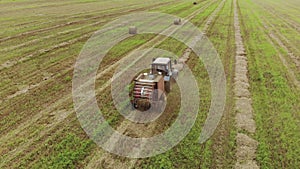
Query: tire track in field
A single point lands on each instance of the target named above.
(33, 32)
(285, 17)
(69, 69)
(50, 36)
(16, 162)
(13, 62)
(273, 35)
(11, 155)
(68, 17)
(285, 41)
(275, 14)
(24, 90)
(10, 64)
(222, 136)
(279, 33)
(63, 44)
(291, 73)
(36, 6)
(212, 17)
(286, 23)
(293, 57)
(55, 35)
(67, 99)
(42, 51)
(107, 160)
(289, 4)
(105, 13)
(49, 127)
(246, 146)
(112, 10)
(276, 36)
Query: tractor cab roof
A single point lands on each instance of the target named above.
(161, 61)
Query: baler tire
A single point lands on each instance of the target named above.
(168, 87)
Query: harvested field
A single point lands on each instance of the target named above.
(257, 43)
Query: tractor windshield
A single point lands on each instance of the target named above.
(158, 68)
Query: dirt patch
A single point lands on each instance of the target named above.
(222, 139)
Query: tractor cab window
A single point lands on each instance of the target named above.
(158, 68)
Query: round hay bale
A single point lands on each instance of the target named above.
(177, 21)
(143, 104)
(132, 30)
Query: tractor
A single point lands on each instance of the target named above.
(148, 88)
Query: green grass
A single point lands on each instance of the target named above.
(117, 52)
(199, 19)
(287, 9)
(275, 100)
(10, 25)
(287, 34)
(65, 149)
(66, 153)
(59, 86)
(177, 8)
(189, 153)
(221, 34)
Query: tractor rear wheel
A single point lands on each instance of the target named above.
(168, 87)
